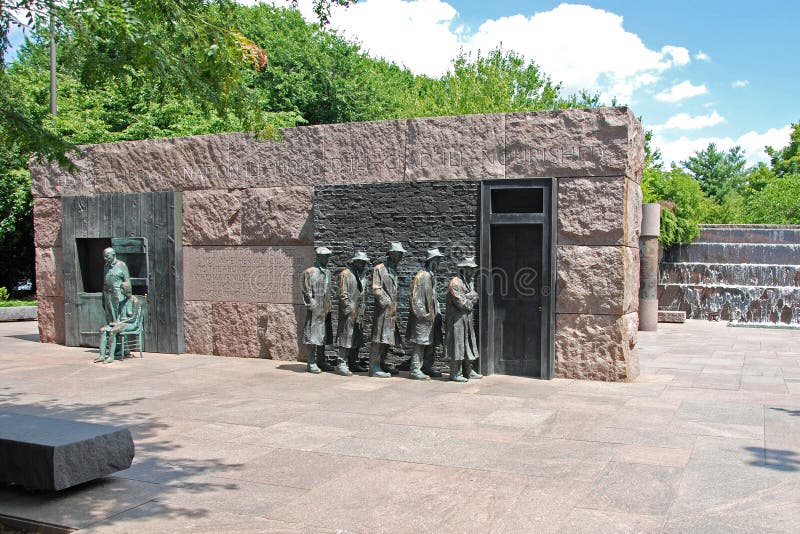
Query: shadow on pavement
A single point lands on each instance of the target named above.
(99, 501)
(27, 337)
(793, 413)
(776, 459)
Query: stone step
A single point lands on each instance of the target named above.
(757, 253)
(730, 233)
(744, 274)
(733, 303)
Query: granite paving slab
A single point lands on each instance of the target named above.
(705, 440)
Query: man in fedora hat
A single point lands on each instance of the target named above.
(385, 331)
(318, 328)
(350, 328)
(424, 329)
(461, 347)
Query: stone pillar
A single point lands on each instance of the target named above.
(648, 274)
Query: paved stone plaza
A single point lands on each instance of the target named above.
(706, 440)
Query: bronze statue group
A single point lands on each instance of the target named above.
(122, 308)
(424, 329)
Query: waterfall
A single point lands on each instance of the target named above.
(739, 273)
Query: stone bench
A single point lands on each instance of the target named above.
(18, 313)
(671, 316)
(42, 453)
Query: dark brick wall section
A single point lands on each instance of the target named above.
(421, 215)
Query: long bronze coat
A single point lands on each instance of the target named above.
(460, 336)
(318, 328)
(384, 318)
(350, 329)
(113, 276)
(424, 318)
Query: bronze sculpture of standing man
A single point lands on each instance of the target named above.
(318, 328)
(461, 347)
(385, 331)
(115, 272)
(424, 328)
(350, 328)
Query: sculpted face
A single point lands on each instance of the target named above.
(359, 265)
(322, 259)
(126, 289)
(395, 256)
(433, 263)
(469, 272)
(109, 256)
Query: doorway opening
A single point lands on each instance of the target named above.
(517, 277)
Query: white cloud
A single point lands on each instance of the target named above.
(752, 143)
(702, 56)
(583, 47)
(580, 46)
(681, 91)
(684, 121)
(740, 83)
(417, 34)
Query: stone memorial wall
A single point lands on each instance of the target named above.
(248, 228)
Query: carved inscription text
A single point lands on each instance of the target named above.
(245, 274)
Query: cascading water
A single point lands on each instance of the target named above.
(743, 274)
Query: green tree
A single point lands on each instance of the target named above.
(498, 82)
(182, 46)
(110, 89)
(719, 172)
(683, 204)
(787, 160)
(777, 203)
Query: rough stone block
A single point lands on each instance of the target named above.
(671, 316)
(51, 319)
(214, 161)
(279, 330)
(278, 216)
(467, 147)
(633, 213)
(212, 217)
(42, 453)
(18, 313)
(597, 280)
(294, 159)
(365, 152)
(632, 279)
(591, 211)
(49, 269)
(235, 328)
(575, 142)
(197, 328)
(596, 347)
(47, 222)
(636, 153)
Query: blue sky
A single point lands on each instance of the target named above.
(695, 71)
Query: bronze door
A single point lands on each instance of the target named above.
(516, 279)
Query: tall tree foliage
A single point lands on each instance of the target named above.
(493, 83)
(683, 203)
(134, 69)
(786, 161)
(719, 172)
(723, 190)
